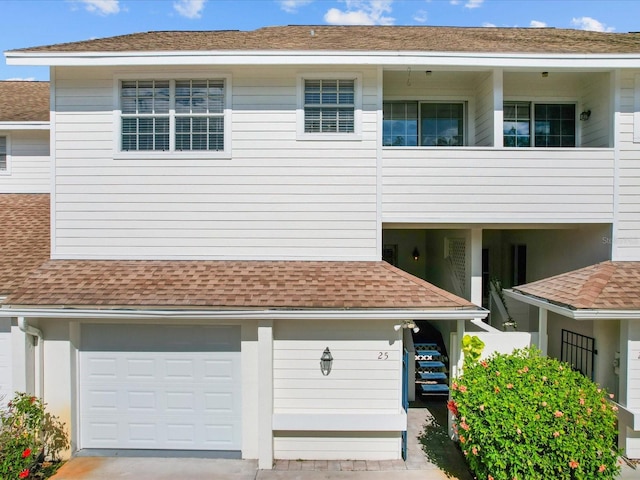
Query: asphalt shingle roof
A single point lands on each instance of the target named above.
(363, 38)
(229, 285)
(606, 285)
(24, 237)
(24, 101)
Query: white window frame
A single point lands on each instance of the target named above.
(536, 101)
(636, 109)
(356, 135)
(171, 153)
(7, 171)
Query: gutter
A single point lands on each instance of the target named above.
(436, 314)
(36, 334)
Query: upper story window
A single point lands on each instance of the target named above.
(4, 154)
(173, 115)
(554, 124)
(435, 124)
(329, 106)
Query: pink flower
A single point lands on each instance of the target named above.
(26, 453)
(454, 386)
(462, 439)
(525, 369)
(496, 389)
(24, 473)
(481, 407)
(32, 400)
(582, 401)
(602, 468)
(462, 388)
(484, 364)
(453, 407)
(614, 408)
(558, 414)
(464, 426)
(489, 477)
(497, 374)
(509, 386)
(611, 395)
(474, 450)
(556, 434)
(544, 404)
(573, 464)
(518, 431)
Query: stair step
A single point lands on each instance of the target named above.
(428, 346)
(433, 376)
(427, 354)
(430, 364)
(434, 388)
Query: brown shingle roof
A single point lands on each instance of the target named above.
(24, 101)
(229, 285)
(364, 38)
(606, 285)
(24, 237)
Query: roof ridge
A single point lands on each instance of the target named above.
(595, 283)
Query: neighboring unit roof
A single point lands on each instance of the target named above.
(110, 284)
(24, 101)
(363, 38)
(24, 237)
(607, 285)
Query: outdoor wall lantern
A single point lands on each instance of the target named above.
(407, 324)
(584, 116)
(326, 361)
(415, 254)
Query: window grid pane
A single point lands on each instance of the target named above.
(442, 124)
(3, 153)
(400, 124)
(516, 126)
(555, 125)
(199, 115)
(329, 106)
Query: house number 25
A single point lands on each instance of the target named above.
(383, 355)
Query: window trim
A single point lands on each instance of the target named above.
(532, 119)
(7, 171)
(466, 119)
(356, 135)
(119, 154)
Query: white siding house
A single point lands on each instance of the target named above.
(250, 183)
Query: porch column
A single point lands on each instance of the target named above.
(542, 330)
(628, 438)
(265, 394)
(476, 266)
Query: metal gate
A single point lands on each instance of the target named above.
(579, 351)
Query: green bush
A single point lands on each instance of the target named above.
(523, 416)
(30, 439)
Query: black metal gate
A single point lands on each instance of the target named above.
(579, 351)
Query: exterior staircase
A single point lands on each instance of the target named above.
(431, 369)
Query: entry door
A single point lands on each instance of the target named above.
(160, 387)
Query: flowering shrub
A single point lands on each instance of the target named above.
(523, 416)
(29, 436)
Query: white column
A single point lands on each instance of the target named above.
(265, 394)
(498, 115)
(542, 330)
(476, 266)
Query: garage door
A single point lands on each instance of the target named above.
(160, 387)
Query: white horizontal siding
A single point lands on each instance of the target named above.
(359, 382)
(276, 197)
(498, 186)
(30, 170)
(335, 446)
(627, 227)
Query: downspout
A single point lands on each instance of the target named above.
(39, 360)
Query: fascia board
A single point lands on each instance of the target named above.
(581, 314)
(25, 126)
(588, 62)
(440, 314)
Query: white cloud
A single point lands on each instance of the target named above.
(18, 79)
(537, 24)
(420, 16)
(189, 8)
(361, 12)
(489, 25)
(588, 23)
(102, 7)
(292, 6)
(473, 3)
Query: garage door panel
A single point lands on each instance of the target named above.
(155, 399)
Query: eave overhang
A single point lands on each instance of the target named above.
(573, 313)
(533, 61)
(248, 314)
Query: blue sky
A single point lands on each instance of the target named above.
(29, 23)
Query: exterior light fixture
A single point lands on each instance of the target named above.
(415, 254)
(584, 116)
(326, 361)
(545, 74)
(407, 324)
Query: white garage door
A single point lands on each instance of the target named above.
(160, 387)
